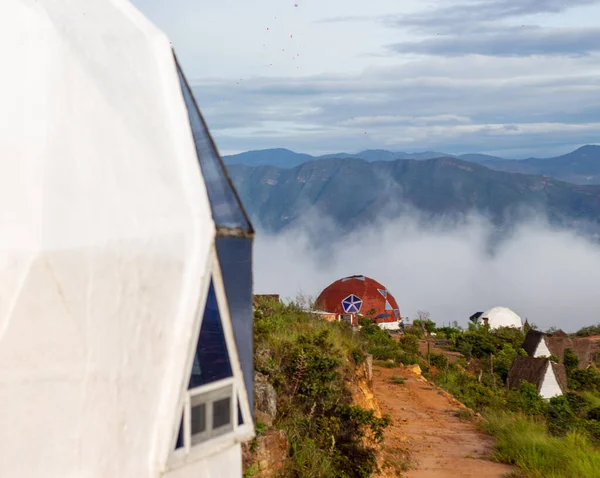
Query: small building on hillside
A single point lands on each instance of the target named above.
(355, 296)
(549, 377)
(497, 317)
(329, 316)
(475, 317)
(540, 344)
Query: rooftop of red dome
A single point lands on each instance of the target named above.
(359, 294)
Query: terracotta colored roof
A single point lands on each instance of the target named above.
(533, 370)
(358, 295)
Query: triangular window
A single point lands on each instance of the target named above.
(211, 360)
(211, 410)
(383, 292)
(397, 312)
(388, 306)
(225, 204)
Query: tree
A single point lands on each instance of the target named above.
(503, 360)
(410, 344)
(570, 361)
(424, 321)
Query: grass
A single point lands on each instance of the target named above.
(464, 415)
(397, 380)
(525, 442)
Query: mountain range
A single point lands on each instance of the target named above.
(581, 166)
(354, 192)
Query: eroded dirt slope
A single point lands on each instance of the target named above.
(426, 426)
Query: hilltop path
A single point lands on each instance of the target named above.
(426, 426)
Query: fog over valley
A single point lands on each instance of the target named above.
(546, 275)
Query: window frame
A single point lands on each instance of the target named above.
(188, 453)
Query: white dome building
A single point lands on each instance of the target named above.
(497, 317)
(125, 256)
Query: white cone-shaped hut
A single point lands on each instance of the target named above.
(121, 299)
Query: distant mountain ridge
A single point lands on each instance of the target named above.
(353, 192)
(581, 166)
(285, 158)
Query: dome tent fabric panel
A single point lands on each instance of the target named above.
(497, 317)
(107, 233)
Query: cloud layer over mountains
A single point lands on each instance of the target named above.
(549, 276)
(514, 78)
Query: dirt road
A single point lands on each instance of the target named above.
(426, 426)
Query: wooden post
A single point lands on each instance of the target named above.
(428, 352)
(492, 369)
(447, 362)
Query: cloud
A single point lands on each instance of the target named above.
(322, 88)
(542, 105)
(509, 42)
(475, 13)
(546, 275)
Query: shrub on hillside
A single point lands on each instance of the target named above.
(438, 360)
(560, 417)
(410, 344)
(310, 361)
(480, 342)
(587, 379)
(509, 335)
(526, 399)
(503, 360)
(414, 330)
(589, 330)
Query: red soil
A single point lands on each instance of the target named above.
(425, 427)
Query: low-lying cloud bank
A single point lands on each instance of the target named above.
(547, 275)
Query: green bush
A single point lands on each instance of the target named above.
(414, 330)
(584, 379)
(480, 342)
(560, 418)
(410, 343)
(438, 360)
(589, 330)
(578, 403)
(526, 399)
(570, 361)
(594, 414)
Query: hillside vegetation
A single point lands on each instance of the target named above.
(311, 364)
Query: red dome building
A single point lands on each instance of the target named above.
(353, 296)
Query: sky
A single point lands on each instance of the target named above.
(515, 78)
(545, 275)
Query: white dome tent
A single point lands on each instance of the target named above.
(497, 317)
(125, 256)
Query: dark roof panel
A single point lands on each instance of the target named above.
(227, 210)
